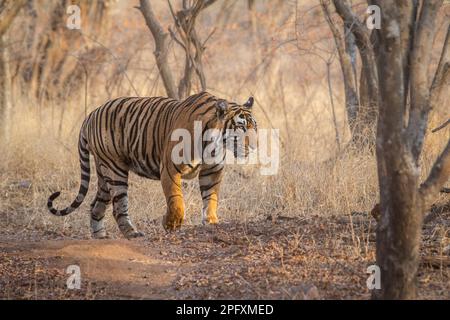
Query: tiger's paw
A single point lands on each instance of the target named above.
(210, 220)
(132, 234)
(100, 234)
(171, 223)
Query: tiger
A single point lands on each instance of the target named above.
(134, 134)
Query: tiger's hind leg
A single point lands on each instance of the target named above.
(98, 208)
(117, 182)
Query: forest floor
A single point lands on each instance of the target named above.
(275, 258)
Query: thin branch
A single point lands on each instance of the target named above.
(442, 126)
(209, 36)
(174, 37)
(442, 75)
(439, 175)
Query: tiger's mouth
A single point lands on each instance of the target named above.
(243, 148)
(242, 142)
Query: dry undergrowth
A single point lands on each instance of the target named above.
(306, 228)
(308, 225)
(275, 258)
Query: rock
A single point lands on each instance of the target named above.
(312, 293)
(446, 250)
(23, 184)
(304, 292)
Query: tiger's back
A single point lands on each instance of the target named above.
(135, 131)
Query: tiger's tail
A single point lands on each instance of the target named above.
(84, 184)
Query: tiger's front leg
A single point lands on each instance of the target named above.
(209, 180)
(171, 183)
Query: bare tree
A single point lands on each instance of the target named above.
(396, 72)
(8, 11)
(343, 46)
(366, 94)
(190, 42)
(186, 36)
(403, 62)
(362, 110)
(161, 48)
(52, 67)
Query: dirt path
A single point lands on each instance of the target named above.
(108, 268)
(279, 258)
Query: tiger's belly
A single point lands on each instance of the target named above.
(141, 169)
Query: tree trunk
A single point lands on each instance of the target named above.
(351, 50)
(395, 78)
(367, 113)
(346, 56)
(364, 93)
(398, 233)
(403, 61)
(189, 41)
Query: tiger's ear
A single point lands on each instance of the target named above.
(249, 103)
(221, 108)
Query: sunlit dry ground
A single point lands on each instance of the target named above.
(309, 257)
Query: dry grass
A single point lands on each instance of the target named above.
(38, 158)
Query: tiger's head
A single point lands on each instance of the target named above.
(239, 125)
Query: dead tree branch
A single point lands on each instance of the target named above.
(185, 35)
(439, 175)
(161, 47)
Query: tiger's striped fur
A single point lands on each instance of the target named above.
(134, 134)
